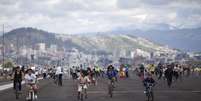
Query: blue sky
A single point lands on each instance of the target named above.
(78, 16)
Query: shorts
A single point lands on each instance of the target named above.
(80, 87)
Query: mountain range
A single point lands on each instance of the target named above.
(186, 39)
(103, 43)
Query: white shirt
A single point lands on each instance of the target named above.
(30, 78)
(73, 70)
(176, 69)
(33, 68)
(58, 70)
(44, 70)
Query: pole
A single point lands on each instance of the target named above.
(17, 50)
(26, 57)
(3, 48)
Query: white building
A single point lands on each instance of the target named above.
(122, 53)
(41, 47)
(23, 51)
(74, 57)
(53, 48)
(139, 52)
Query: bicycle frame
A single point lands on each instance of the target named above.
(111, 88)
(82, 92)
(149, 93)
(31, 93)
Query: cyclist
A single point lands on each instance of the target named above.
(73, 73)
(159, 70)
(176, 71)
(126, 71)
(30, 81)
(83, 81)
(148, 80)
(111, 73)
(122, 71)
(91, 76)
(141, 71)
(18, 76)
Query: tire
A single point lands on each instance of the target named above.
(32, 96)
(31, 93)
(152, 96)
(148, 95)
(82, 97)
(110, 88)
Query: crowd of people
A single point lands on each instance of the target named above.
(85, 77)
(169, 72)
(31, 75)
(88, 76)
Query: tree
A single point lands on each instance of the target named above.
(8, 64)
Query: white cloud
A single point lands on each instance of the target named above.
(80, 16)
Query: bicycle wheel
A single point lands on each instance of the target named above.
(148, 96)
(82, 97)
(152, 96)
(110, 89)
(32, 96)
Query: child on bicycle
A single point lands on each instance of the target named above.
(83, 81)
(30, 81)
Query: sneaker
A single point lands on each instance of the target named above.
(27, 98)
(36, 97)
(145, 92)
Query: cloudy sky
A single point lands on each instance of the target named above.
(78, 16)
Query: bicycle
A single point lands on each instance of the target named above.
(56, 79)
(82, 92)
(31, 93)
(111, 87)
(149, 92)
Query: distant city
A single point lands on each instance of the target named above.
(87, 54)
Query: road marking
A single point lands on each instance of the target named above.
(10, 85)
(196, 91)
(140, 91)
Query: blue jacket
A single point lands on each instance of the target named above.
(111, 74)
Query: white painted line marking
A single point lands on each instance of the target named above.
(140, 91)
(10, 85)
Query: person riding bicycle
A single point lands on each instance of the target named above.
(141, 71)
(83, 81)
(30, 81)
(111, 73)
(18, 76)
(91, 75)
(122, 73)
(142, 68)
(148, 80)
